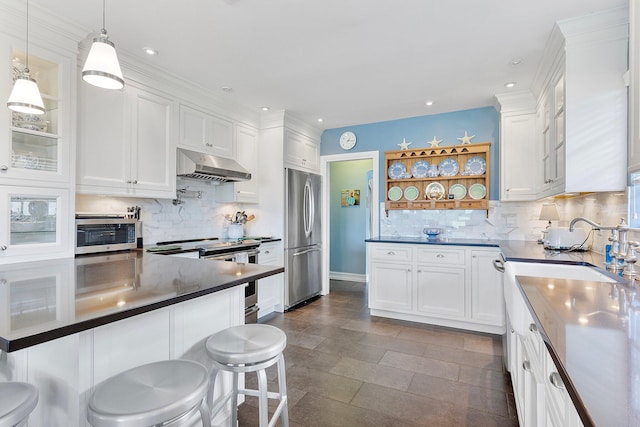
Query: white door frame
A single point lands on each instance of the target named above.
(325, 166)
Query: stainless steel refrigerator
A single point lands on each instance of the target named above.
(303, 239)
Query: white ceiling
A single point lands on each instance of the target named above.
(347, 61)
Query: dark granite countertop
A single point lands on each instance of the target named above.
(440, 241)
(44, 300)
(592, 331)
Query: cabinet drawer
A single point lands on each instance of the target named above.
(391, 253)
(442, 256)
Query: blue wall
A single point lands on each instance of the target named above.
(385, 136)
(348, 224)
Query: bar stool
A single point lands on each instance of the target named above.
(249, 348)
(17, 400)
(166, 393)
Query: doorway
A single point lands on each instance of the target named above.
(342, 175)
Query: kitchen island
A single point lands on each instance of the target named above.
(69, 324)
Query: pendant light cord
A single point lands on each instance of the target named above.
(103, 15)
(27, 66)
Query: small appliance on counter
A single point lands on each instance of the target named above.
(108, 231)
(560, 238)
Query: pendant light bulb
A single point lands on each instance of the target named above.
(25, 95)
(102, 67)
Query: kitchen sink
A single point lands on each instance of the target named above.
(559, 271)
(514, 301)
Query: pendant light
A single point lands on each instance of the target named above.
(102, 68)
(25, 95)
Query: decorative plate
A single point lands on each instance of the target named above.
(411, 193)
(477, 191)
(433, 171)
(434, 191)
(448, 167)
(420, 169)
(475, 166)
(397, 170)
(395, 194)
(458, 191)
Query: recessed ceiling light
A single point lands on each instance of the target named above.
(265, 108)
(428, 103)
(510, 84)
(320, 120)
(226, 89)
(150, 51)
(516, 61)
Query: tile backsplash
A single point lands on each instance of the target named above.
(162, 220)
(510, 220)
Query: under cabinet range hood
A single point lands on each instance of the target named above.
(207, 167)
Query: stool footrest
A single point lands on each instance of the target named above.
(256, 393)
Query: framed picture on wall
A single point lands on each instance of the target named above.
(350, 198)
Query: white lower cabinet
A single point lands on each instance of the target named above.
(441, 291)
(271, 289)
(393, 289)
(452, 286)
(540, 395)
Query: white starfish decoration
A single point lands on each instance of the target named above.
(466, 139)
(404, 145)
(434, 142)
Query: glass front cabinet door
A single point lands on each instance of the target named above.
(36, 223)
(36, 147)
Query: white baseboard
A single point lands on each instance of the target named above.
(350, 277)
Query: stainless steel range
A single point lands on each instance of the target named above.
(215, 249)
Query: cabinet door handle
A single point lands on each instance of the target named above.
(408, 270)
(439, 256)
(391, 253)
(267, 252)
(135, 181)
(4, 168)
(556, 381)
(533, 327)
(208, 144)
(3, 247)
(526, 365)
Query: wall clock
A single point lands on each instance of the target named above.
(347, 140)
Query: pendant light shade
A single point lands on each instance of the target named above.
(102, 67)
(25, 96)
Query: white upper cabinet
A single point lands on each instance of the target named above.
(301, 152)
(247, 156)
(38, 149)
(125, 143)
(519, 173)
(206, 133)
(583, 104)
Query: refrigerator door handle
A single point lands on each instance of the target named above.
(308, 209)
(306, 251)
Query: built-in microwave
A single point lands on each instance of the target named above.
(94, 235)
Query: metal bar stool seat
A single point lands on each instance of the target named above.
(166, 393)
(249, 348)
(17, 400)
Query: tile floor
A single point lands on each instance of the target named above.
(348, 368)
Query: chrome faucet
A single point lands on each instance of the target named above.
(595, 225)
